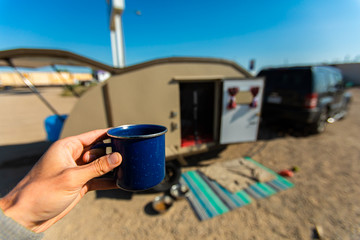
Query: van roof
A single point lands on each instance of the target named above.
(309, 67)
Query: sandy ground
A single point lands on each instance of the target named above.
(326, 191)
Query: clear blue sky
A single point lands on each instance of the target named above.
(271, 32)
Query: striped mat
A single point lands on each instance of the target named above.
(209, 199)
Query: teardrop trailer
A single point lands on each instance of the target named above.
(204, 102)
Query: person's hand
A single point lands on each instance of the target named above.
(59, 180)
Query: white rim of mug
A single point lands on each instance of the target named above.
(138, 136)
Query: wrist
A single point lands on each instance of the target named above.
(11, 209)
(2, 204)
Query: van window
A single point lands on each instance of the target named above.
(298, 80)
(338, 79)
(332, 80)
(321, 82)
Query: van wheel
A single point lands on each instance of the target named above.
(344, 111)
(172, 176)
(320, 125)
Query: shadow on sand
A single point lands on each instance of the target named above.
(17, 160)
(149, 210)
(115, 193)
(10, 177)
(19, 155)
(17, 91)
(273, 130)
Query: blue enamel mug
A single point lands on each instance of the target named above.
(142, 147)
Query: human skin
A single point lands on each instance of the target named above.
(57, 182)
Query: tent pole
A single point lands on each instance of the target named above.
(33, 88)
(59, 76)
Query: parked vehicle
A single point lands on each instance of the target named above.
(310, 96)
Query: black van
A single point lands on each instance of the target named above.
(310, 95)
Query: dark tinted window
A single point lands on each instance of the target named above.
(298, 80)
(338, 79)
(326, 78)
(332, 80)
(321, 83)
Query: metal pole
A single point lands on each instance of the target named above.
(113, 49)
(59, 76)
(33, 88)
(119, 41)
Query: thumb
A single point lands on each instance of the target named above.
(100, 166)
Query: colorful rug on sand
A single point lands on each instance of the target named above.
(209, 199)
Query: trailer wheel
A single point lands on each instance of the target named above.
(172, 176)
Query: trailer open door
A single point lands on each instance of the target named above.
(241, 106)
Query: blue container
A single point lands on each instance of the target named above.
(53, 126)
(142, 148)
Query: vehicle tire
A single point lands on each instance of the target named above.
(345, 110)
(172, 176)
(320, 125)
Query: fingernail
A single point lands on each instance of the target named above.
(89, 157)
(114, 159)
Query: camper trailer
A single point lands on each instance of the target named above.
(204, 102)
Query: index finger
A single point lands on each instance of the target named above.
(89, 138)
